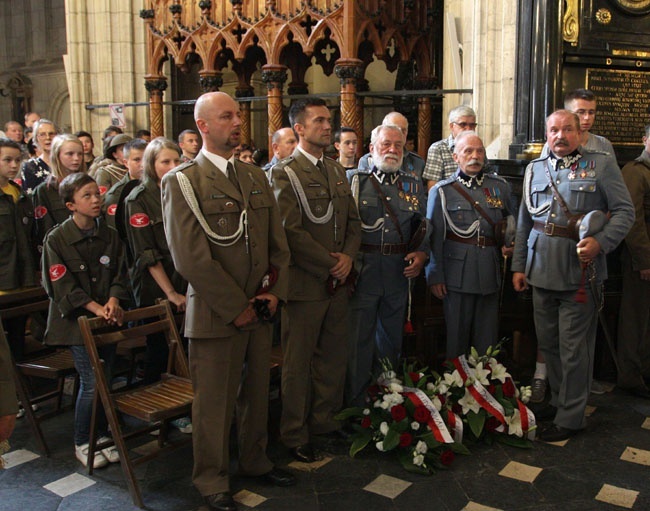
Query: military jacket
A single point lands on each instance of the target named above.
(464, 267)
(412, 164)
(49, 210)
(112, 198)
(17, 268)
(77, 270)
(637, 179)
(223, 276)
(143, 219)
(311, 242)
(587, 181)
(108, 175)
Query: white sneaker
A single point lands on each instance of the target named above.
(184, 425)
(110, 453)
(81, 452)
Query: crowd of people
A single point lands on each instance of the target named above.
(330, 249)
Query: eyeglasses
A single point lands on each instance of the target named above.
(464, 125)
(49, 134)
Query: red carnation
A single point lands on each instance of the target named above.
(492, 424)
(415, 377)
(398, 413)
(405, 439)
(442, 399)
(491, 389)
(373, 390)
(457, 409)
(365, 422)
(447, 457)
(421, 414)
(508, 388)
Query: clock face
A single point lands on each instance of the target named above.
(634, 6)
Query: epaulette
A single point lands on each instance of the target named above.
(446, 181)
(284, 161)
(414, 155)
(584, 151)
(542, 158)
(364, 170)
(184, 166)
(496, 176)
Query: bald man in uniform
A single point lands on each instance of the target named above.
(225, 235)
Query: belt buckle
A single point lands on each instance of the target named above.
(549, 229)
(481, 241)
(386, 249)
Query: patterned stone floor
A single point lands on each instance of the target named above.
(605, 468)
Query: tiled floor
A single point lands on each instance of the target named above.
(606, 468)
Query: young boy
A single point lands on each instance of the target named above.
(132, 160)
(17, 268)
(81, 259)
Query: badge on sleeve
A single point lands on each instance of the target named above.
(57, 271)
(111, 209)
(139, 220)
(102, 190)
(40, 212)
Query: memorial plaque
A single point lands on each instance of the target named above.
(623, 104)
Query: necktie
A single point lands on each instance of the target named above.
(321, 167)
(232, 175)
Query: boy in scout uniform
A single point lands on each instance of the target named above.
(80, 266)
(569, 181)
(392, 208)
(17, 268)
(323, 230)
(464, 270)
(225, 235)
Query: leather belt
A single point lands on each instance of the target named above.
(480, 241)
(551, 229)
(385, 249)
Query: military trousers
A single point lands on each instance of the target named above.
(471, 319)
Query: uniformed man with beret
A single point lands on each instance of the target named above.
(566, 274)
(392, 208)
(467, 212)
(323, 230)
(225, 235)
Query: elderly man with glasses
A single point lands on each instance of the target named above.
(440, 161)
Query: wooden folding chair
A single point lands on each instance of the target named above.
(53, 365)
(154, 404)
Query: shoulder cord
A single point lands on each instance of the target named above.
(463, 233)
(379, 223)
(190, 198)
(303, 202)
(528, 176)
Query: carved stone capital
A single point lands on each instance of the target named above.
(349, 74)
(274, 77)
(154, 85)
(210, 83)
(147, 14)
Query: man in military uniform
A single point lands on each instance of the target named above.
(569, 181)
(225, 234)
(633, 346)
(392, 208)
(323, 230)
(412, 163)
(464, 271)
(283, 144)
(440, 161)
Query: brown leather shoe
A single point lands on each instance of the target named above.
(305, 453)
(220, 502)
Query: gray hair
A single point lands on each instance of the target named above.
(374, 136)
(461, 111)
(461, 136)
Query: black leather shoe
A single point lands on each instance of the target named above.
(555, 433)
(639, 391)
(221, 502)
(338, 434)
(305, 453)
(544, 413)
(278, 477)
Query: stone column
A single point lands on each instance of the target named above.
(424, 116)
(245, 106)
(156, 85)
(350, 72)
(274, 76)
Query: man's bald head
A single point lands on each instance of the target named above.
(397, 119)
(218, 119)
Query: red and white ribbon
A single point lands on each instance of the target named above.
(479, 392)
(527, 420)
(435, 422)
(456, 425)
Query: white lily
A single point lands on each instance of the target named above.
(480, 374)
(469, 403)
(453, 379)
(499, 371)
(514, 424)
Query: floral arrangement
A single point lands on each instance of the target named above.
(422, 416)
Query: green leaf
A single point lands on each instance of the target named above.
(459, 448)
(392, 439)
(476, 422)
(515, 441)
(360, 442)
(349, 412)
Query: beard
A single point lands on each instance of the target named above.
(389, 164)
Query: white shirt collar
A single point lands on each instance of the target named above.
(310, 157)
(218, 161)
